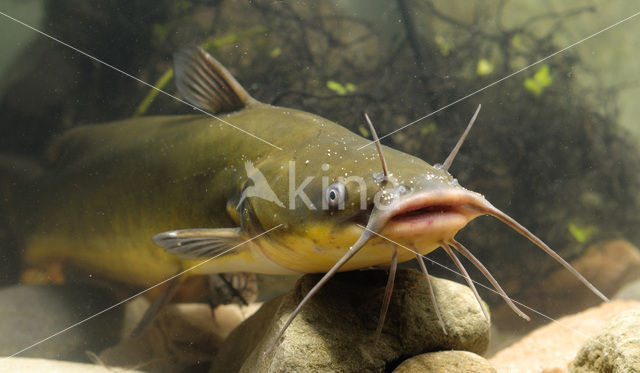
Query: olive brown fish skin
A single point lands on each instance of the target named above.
(108, 188)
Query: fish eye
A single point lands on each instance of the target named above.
(335, 195)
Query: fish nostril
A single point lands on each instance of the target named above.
(403, 189)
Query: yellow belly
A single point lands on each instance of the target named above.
(321, 247)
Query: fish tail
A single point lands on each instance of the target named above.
(16, 176)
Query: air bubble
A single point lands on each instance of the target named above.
(378, 177)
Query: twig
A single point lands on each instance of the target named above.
(414, 42)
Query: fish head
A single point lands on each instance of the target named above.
(331, 192)
(419, 205)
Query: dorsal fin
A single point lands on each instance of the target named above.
(205, 83)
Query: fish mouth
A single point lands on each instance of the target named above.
(438, 215)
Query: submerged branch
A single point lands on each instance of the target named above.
(414, 42)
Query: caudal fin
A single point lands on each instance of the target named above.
(17, 179)
(17, 175)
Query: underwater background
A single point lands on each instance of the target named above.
(555, 145)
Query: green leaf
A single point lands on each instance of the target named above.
(212, 43)
(148, 100)
(428, 129)
(339, 88)
(336, 87)
(539, 81)
(363, 131)
(160, 32)
(582, 233)
(443, 44)
(275, 52)
(183, 5)
(484, 67)
(516, 41)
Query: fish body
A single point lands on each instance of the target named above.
(109, 188)
(253, 188)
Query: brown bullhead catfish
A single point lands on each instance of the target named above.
(253, 188)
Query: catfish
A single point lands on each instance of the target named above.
(140, 200)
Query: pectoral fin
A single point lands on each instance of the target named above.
(200, 243)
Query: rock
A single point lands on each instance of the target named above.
(31, 313)
(446, 362)
(335, 330)
(501, 338)
(609, 265)
(134, 310)
(630, 291)
(551, 348)
(616, 348)
(271, 286)
(182, 337)
(21, 364)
